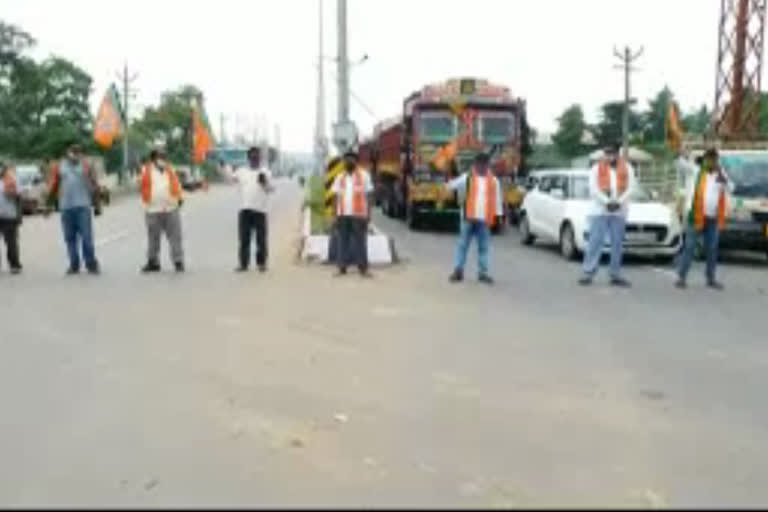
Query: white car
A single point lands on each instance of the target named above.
(557, 208)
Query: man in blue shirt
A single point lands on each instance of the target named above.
(75, 186)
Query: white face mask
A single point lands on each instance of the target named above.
(161, 164)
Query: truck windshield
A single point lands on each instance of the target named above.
(498, 128)
(749, 173)
(437, 126)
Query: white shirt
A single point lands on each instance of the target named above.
(460, 184)
(347, 195)
(253, 196)
(711, 196)
(161, 201)
(689, 172)
(601, 200)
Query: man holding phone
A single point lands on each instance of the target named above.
(704, 213)
(611, 183)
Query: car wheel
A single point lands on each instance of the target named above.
(567, 243)
(526, 237)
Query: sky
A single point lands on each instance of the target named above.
(256, 60)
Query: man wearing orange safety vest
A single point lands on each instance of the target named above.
(612, 181)
(353, 190)
(704, 214)
(480, 194)
(161, 196)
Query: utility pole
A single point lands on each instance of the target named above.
(126, 79)
(627, 58)
(321, 141)
(345, 131)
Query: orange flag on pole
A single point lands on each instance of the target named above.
(203, 141)
(108, 124)
(674, 130)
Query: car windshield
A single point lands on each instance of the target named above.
(749, 173)
(27, 174)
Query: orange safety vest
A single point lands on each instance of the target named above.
(604, 176)
(473, 196)
(359, 201)
(698, 203)
(146, 184)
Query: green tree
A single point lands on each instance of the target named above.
(697, 122)
(609, 128)
(570, 132)
(657, 114)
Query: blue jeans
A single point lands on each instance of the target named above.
(600, 225)
(77, 226)
(470, 229)
(711, 236)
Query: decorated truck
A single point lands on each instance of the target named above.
(442, 128)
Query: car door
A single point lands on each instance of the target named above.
(559, 194)
(535, 200)
(551, 203)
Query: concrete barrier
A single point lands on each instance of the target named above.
(315, 248)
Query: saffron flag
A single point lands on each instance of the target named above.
(108, 125)
(674, 130)
(201, 131)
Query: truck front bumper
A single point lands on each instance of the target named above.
(745, 235)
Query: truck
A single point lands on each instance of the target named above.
(442, 128)
(746, 163)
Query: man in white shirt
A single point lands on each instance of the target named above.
(353, 190)
(480, 195)
(704, 212)
(611, 183)
(255, 186)
(162, 197)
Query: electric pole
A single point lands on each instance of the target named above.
(321, 141)
(627, 58)
(345, 131)
(126, 79)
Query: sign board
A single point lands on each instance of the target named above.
(345, 135)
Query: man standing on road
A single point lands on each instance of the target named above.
(480, 193)
(611, 183)
(10, 216)
(255, 184)
(704, 215)
(73, 184)
(353, 190)
(162, 197)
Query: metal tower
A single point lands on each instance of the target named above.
(739, 69)
(321, 140)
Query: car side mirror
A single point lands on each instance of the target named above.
(557, 193)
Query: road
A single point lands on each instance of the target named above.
(297, 388)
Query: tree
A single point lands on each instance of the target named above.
(697, 122)
(171, 122)
(570, 132)
(656, 116)
(609, 128)
(527, 134)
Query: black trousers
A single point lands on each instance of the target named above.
(352, 233)
(10, 232)
(248, 222)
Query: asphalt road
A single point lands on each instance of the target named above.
(297, 388)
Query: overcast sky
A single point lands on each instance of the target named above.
(257, 57)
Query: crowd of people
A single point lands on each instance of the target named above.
(73, 184)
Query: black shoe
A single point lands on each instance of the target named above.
(94, 271)
(715, 285)
(485, 278)
(340, 272)
(73, 271)
(620, 282)
(179, 267)
(681, 284)
(366, 274)
(585, 281)
(262, 268)
(16, 270)
(150, 267)
(457, 276)
(241, 269)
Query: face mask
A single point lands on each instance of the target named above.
(160, 164)
(72, 157)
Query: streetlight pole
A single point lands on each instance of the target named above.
(343, 62)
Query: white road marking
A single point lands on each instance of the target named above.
(111, 238)
(664, 271)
